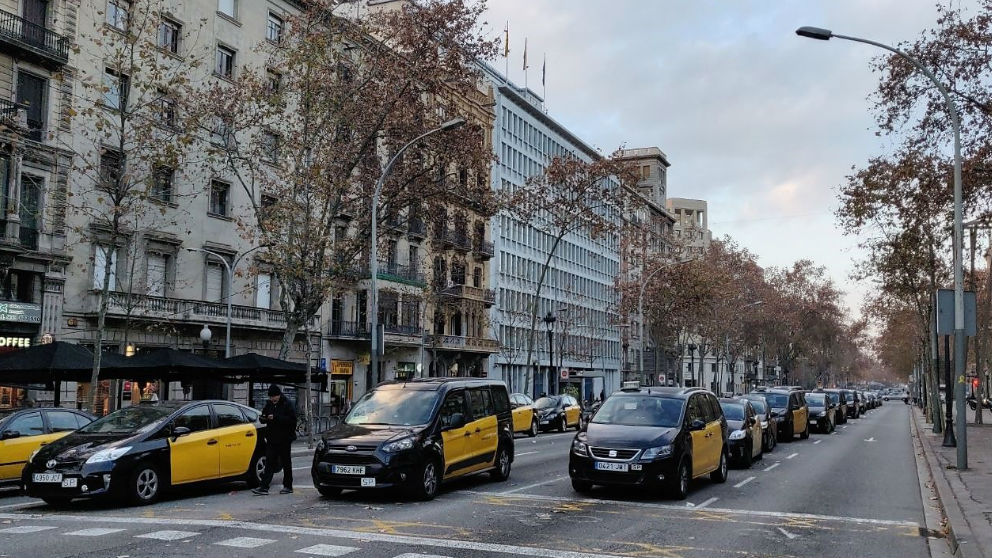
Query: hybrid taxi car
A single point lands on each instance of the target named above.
(22, 432)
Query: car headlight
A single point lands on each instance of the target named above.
(764, 424)
(398, 445)
(321, 446)
(656, 452)
(822, 414)
(108, 455)
(738, 435)
(580, 448)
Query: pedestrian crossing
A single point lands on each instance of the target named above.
(171, 535)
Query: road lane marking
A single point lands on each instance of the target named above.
(23, 529)
(167, 535)
(707, 502)
(787, 534)
(94, 532)
(327, 550)
(845, 426)
(414, 555)
(772, 466)
(791, 456)
(18, 506)
(301, 467)
(743, 482)
(817, 442)
(525, 453)
(529, 486)
(872, 439)
(245, 542)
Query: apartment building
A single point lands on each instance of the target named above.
(691, 224)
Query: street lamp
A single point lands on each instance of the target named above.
(205, 336)
(229, 267)
(549, 322)
(959, 339)
(374, 251)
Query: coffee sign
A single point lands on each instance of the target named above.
(20, 312)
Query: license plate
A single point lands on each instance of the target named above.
(47, 477)
(69, 483)
(368, 482)
(618, 467)
(348, 469)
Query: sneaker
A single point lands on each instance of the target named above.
(286, 491)
(260, 491)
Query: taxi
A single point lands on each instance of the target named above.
(24, 431)
(790, 412)
(558, 411)
(139, 452)
(745, 441)
(524, 420)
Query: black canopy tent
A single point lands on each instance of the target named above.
(51, 364)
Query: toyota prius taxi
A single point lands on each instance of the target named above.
(139, 452)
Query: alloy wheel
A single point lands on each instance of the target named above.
(430, 479)
(146, 485)
(260, 468)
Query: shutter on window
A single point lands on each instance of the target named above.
(215, 283)
(156, 275)
(263, 298)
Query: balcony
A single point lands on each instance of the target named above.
(458, 240)
(29, 238)
(416, 228)
(463, 343)
(165, 309)
(348, 330)
(401, 273)
(486, 296)
(483, 250)
(33, 41)
(405, 330)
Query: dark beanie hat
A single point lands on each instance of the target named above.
(274, 390)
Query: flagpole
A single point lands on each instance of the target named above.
(506, 49)
(544, 78)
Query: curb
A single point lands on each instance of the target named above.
(957, 528)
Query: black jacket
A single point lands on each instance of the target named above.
(282, 427)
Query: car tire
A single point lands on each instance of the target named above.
(144, 485)
(57, 502)
(427, 481)
(746, 459)
(533, 428)
(501, 472)
(581, 486)
(720, 475)
(679, 486)
(562, 425)
(772, 441)
(255, 470)
(329, 491)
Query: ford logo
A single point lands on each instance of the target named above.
(51, 463)
(351, 448)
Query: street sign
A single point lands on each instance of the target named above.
(20, 312)
(945, 313)
(564, 373)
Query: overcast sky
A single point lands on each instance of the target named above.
(761, 123)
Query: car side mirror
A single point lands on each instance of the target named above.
(179, 431)
(8, 434)
(457, 421)
(697, 425)
(515, 405)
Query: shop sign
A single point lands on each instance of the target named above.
(20, 312)
(342, 367)
(15, 342)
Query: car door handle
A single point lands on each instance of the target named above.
(211, 442)
(249, 434)
(477, 430)
(467, 433)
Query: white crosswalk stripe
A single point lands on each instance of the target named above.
(22, 529)
(94, 532)
(245, 542)
(326, 550)
(168, 535)
(414, 555)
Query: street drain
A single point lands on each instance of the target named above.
(931, 533)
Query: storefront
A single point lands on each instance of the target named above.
(339, 387)
(19, 323)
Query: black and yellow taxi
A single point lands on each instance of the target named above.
(524, 419)
(138, 452)
(417, 434)
(839, 398)
(745, 442)
(790, 412)
(821, 411)
(24, 431)
(655, 437)
(558, 412)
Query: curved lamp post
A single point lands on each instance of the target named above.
(959, 339)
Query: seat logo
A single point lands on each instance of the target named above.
(351, 448)
(51, 463)
(613, 453)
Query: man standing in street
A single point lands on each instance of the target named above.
(279, 418)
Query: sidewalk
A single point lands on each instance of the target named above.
(965, 496)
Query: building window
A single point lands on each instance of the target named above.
(111, 170)
(270, 145)
(275, 81)
(100, 257)
(219, 198)
(646, 171)
(118, 13)
(274, 28)
(162, 179)
(225, 62)
(263, 291)
(115, 89)
(228, 7)
(31, 93)
(168, 36)
(166, 109)
(157, 274)
(214, 290)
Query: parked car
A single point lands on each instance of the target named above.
(24, 431)
(524, 419)
(744, 441)
(416, 434)
(558, 411)
(141, 451)
(858, 404)
(837, 397)
(657, 438)
(790, 411)
(769, 427)
(822, 412)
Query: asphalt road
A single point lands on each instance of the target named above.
(851, 494)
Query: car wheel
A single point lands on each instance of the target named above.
(145, 485)
(746, 459)
(720, 475)
(255, 471)
(329, 491)
(772, 441)
(562, 425)
(533, 428)
(679, 487)
(581, 486)
(502, 470)
(427, 482)
(57, 502)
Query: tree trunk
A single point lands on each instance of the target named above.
(288, 336)
(308, 406)
(101, 323)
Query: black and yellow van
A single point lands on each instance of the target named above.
(24, 431)
(138, 452)
(416, 434)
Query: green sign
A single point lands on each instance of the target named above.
(20, 312)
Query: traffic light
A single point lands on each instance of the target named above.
(974, 383)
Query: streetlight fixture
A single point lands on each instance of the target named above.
(549, 322)
(959, 338)
(374, 251)
(205, 336)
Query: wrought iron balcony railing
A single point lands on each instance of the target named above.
(34, 40)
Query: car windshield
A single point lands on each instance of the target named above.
(395, 407)
(815, 400)
(130, 420)
(640, 410)
(759, 406)
(777, 400)
(834, 398)
(546, 403)
(732, 411)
